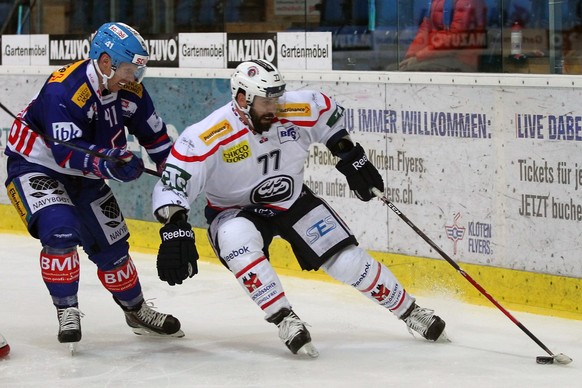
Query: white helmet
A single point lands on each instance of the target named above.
(257, 78)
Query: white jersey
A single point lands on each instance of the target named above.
(237, 168)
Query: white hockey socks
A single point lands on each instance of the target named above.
(354, 266)
(241, 247)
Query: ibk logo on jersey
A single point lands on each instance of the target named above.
(65, 131)
(455, 232)
(252, 282)
(381, 294)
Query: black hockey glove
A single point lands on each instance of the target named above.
(360, 173)
(177, 254)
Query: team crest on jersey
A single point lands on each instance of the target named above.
(237, 152)
(133, 87)
(82, 95)
(220, 129)
(287, 134)
(294, 109)
(272, 190)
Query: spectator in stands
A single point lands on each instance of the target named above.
(450, 38)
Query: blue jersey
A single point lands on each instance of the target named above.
(71, 109)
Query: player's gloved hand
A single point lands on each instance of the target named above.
(126, 166)
(177, 254)
(360, 173)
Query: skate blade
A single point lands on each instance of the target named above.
(443, 338)
(150, 333)
(308, 350)
(72, 346)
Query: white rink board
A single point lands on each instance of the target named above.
(482, 188)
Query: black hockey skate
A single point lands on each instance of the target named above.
(145, 321)
(293, 333)
(425, 323)
(69, 324)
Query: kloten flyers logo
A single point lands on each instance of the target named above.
(455, 232)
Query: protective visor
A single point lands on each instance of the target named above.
(129, 71)
(139, 73)
(275, 91)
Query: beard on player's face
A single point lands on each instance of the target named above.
(261, 122)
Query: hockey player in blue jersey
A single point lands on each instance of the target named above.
(247, 158)
(61, 149)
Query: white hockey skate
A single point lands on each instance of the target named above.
(293, 333)
(424, 322)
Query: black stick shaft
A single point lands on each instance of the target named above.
(72, 146)
(393, 207)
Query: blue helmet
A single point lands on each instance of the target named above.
(121, 42)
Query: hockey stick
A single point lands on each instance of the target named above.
(560, 358)
(72, 146)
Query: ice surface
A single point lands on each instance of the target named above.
(228, 343)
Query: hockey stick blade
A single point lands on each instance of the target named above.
(544, 360)
(72, 146)
(558, 358)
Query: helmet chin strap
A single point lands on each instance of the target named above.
(246, 112)
(104, 77)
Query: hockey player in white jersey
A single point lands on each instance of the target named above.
(247, 158)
